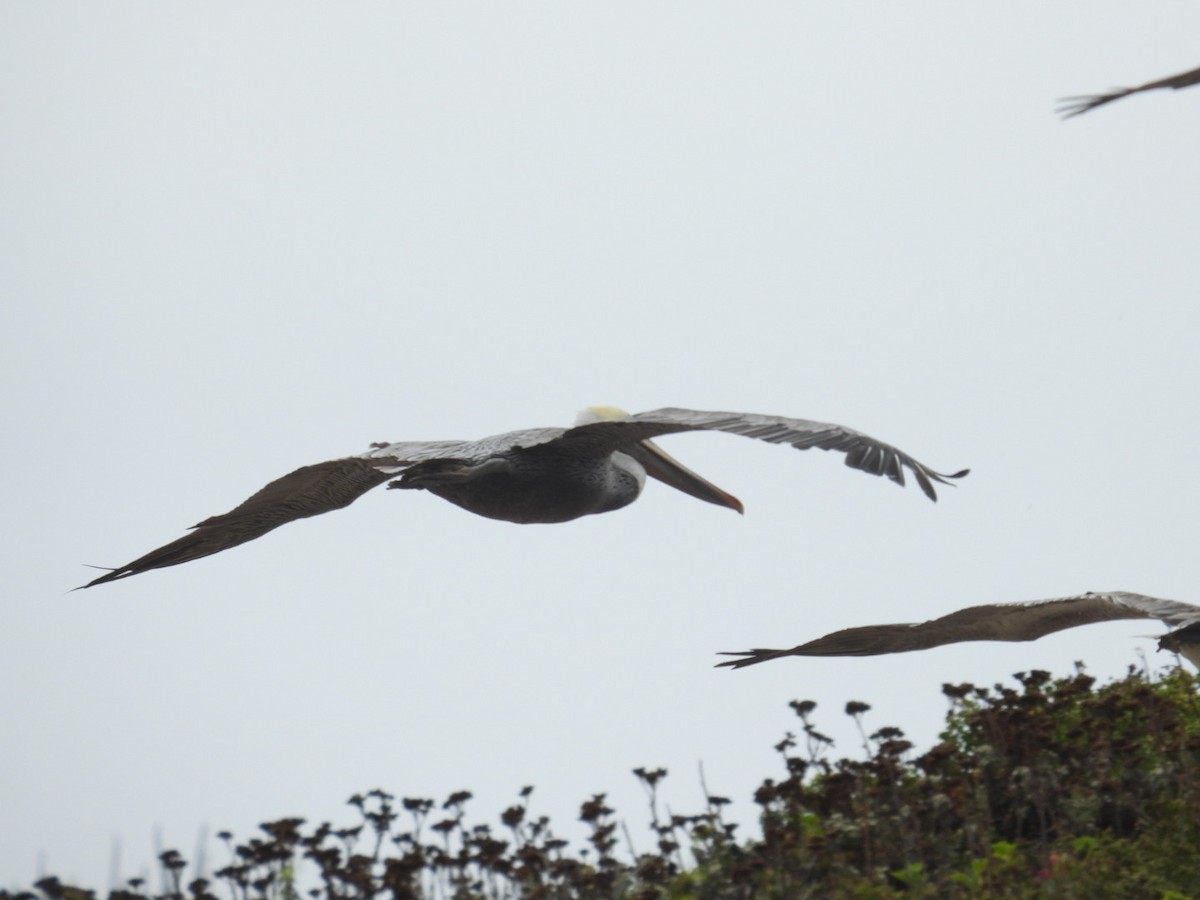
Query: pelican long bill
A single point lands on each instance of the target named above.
(662, 466)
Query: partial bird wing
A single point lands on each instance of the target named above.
(1075, 106)
(862, 451)
(308, 491)
(995, 622)
(401, 455)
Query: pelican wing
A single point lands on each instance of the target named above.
(1075, 106)
(308, 491)
(320, 488)
(995, 622)
(862, 451)
(401, 455)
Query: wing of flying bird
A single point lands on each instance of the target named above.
(1074, 106)
(559, 453)
(862, 451)
(994, 622)
(308, 491)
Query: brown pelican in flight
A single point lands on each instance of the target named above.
(1003, 622)
(536, 475)
(1075, 106)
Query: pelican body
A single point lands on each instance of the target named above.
(1003, 622)
(541, 475)
(540, 485)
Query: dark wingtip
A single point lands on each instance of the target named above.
(926, 477)
(748, 657)
(1070, 107)
(111, 574)
(1077, 105)
(732, 663)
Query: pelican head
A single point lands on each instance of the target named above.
(601, 413)
(1183, 642)
(659, 464)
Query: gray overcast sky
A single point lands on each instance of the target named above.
(238, 238)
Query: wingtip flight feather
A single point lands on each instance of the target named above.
(749, 657)
(110, 574)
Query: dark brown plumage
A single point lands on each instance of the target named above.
(308, 491)
(1075, 106)
(1001, 622)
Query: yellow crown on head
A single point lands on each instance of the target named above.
(600, 414)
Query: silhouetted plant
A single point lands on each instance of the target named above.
(1052, 788)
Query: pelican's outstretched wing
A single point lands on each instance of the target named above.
(1075, 106)
(995, 622)
(308, 491)
(862, 451)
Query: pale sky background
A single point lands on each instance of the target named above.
(239, 238)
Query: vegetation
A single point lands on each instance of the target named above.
(1052, 788)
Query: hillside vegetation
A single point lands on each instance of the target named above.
(1048, 788)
